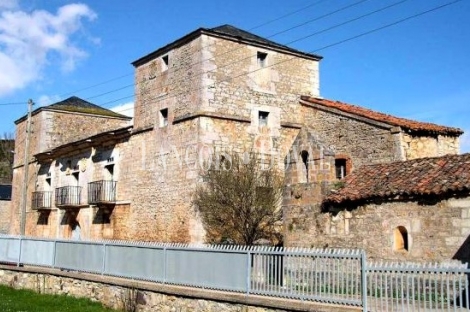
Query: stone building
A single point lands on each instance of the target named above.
(412, 210)
(210, 90)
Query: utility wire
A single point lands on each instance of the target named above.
(221, 54)
(293, 41)
(132, 73)
(316, 50)
(239, 60)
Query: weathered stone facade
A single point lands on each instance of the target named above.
(219, 89)
(435, 231)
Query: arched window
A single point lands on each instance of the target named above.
(304, 155)
(400, 239)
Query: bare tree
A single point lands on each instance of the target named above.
(240, 200)
(7, 145)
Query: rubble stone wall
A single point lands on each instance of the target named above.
(429, 146)
(435, 231)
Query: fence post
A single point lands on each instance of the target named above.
(164, 264)
(364, 281)
(248, 272)
(54, 253)
(19, 251)
(103, 265)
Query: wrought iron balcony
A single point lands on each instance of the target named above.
(68, 196)
(102, 192)
(42, 200)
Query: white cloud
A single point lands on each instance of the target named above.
(31, 41)
(125, 109)
(45, 100)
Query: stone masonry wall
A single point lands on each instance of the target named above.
(237, 85)
(435, 231)
(118, 293)
(162, 166)
(364, 143)
(428, 146)
(52, 129)
(176, 87)
(90, 164)
(5, 206)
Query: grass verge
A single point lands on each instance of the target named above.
(16, 300)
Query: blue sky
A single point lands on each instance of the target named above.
(418, 69)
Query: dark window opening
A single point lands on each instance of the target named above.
(263, 118)
(76, 176)
(304, 155)
(165, 62)
(48, 184)
(262, 58)
(340, 168)
(109, 172)
(400, 238)
(164, 117)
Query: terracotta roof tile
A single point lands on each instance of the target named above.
(404, 123)
(424, 176)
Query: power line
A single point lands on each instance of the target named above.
(132, 73)
(239, 60)
(320, 49)
(221, 54)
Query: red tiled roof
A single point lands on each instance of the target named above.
(417, 177)
(381, 117)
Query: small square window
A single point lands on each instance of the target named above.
(165, 62)
(340, 167)
(262, 59)
(164, 117)
(263, 118)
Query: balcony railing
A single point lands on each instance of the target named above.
(102, 192)
(68, 196)
(42, 200)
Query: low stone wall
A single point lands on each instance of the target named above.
(119, 293)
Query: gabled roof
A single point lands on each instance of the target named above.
(230, 33)
(406, 124)
(437, 176)
(77, 105)
(5, 192)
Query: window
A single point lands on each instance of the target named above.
(262, 59)
(76, 178)
(48, 185)
(164, 117)
(263, 118)
(304, 155)
(400, 239)
(165, 62)
(109, 172)
(340, 168)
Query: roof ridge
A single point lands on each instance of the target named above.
(410, 124)
(421, 176)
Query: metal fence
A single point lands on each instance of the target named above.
(322, 275)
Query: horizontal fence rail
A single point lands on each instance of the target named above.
(335, 276)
